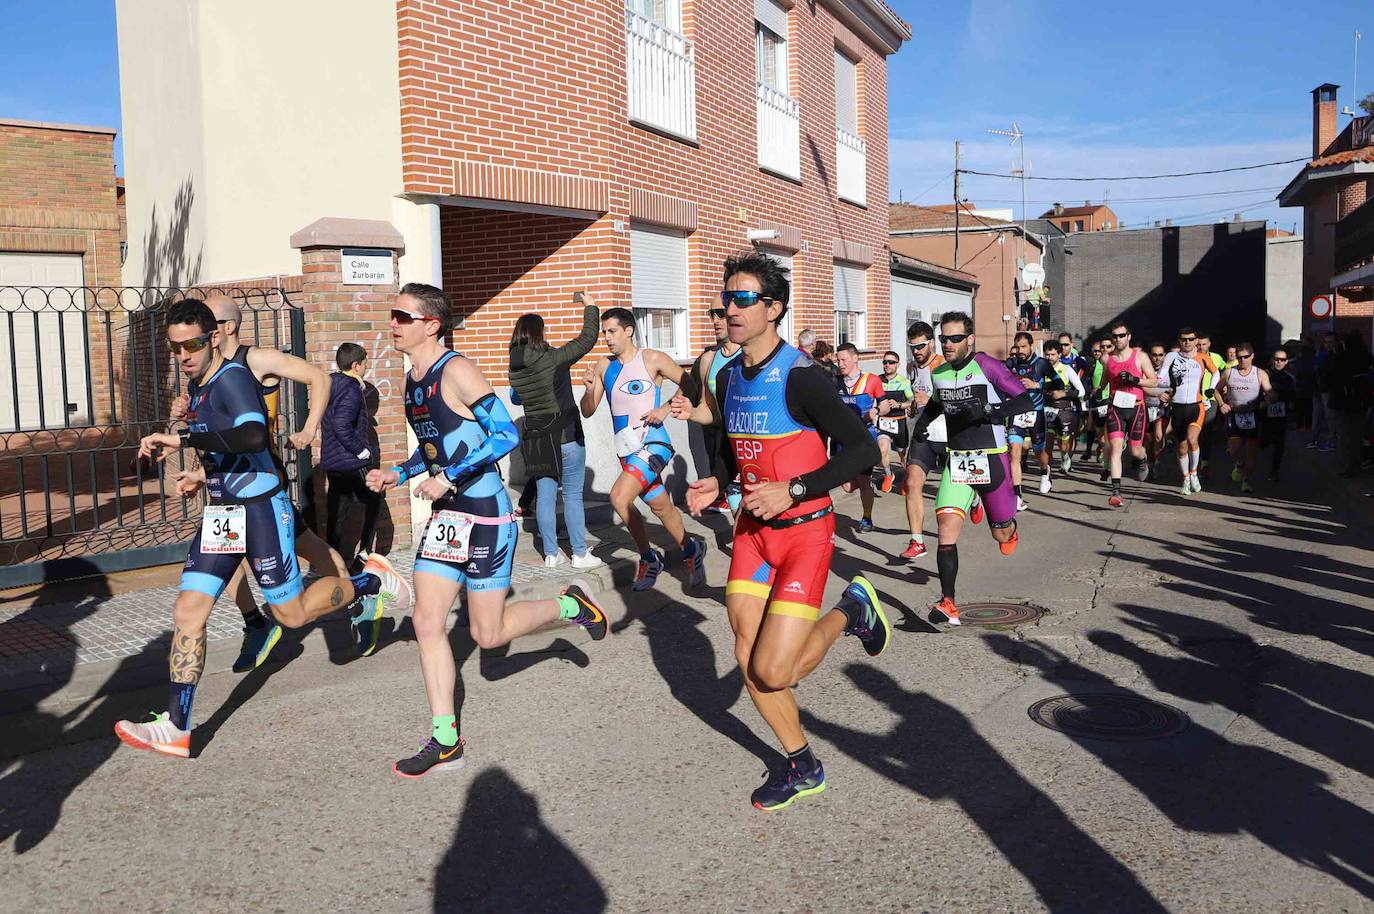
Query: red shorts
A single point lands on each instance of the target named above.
(786, 566)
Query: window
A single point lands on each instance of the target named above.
(770, 40)
(660, 67)
(1066, 225)
(851, 152)
(664, 12)
(779, 115)
(658, 287)
(1078, 225)
(851, 304)
(846, 94)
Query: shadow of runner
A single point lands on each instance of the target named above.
(503, 858)
(1025, 825)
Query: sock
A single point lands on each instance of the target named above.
(179, 698)
(1116, 485)
(919, 538)
(852, 609)
(1017, 489)
(446, 729)
(1183, 466)
(1193, 460)
(255, 619)
(568, 608)
(803, 759)
(365, 584)
(947, 563)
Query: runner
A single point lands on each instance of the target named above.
(1033, 371)
(632, 377)
(1127, 369)
(269, 366)
(1183, 375)
(1209, 427)
(719, 354)
(777, 405)
(1274, 431)
(469, 543)
(976, 394)
(1063, 395)
(928, 455)
(1098, 396)
(1155, 426)
(861, 391)
(892, 412)
(1241, 393)
(248, 516)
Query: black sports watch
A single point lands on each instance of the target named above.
(797, 489)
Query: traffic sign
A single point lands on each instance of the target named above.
(1320, 307)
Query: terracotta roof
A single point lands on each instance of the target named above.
(1363, 154)
(1074, 211)
(909, 216)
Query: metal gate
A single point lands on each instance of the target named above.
(85, 373)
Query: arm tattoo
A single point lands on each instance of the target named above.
(187, 658)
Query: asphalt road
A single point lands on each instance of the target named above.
(616, 775)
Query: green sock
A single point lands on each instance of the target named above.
(446, 729)
(568, 608)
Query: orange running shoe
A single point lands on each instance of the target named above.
(887, 482)
(1010, 545)
(944, 611)
(975, 513)
(1115, 501)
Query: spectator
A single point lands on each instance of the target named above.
(1304, 371)
(806, 340)
(1352, 392)
(1323, 434)
(553, 447)
(823, 354)
(344, 453)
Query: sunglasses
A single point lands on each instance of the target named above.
(891, 362)
(1120, 336)
(1156, 355)
(1187, 339)
(194, 344)
(953, 338)
(406, 318)
(917, 347)
(1278, 359)
(718, 313)
(742, 299)
(1245, 355)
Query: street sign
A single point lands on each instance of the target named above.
(366, 267)
(1032, 276)
(1320, 307)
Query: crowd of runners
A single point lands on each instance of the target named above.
(784, 431)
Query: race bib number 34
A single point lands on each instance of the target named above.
(448, 537)
(969, 468)
(223, 529)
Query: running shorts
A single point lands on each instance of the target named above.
(1183, 416)
(928, 455)
(490, 558)
(1035, 433)
(999, 499)
(1064, 424)
(269, 547)
(646, 465)
(787, 566)
(1126, 422)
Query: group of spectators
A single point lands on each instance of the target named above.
(1338, 378)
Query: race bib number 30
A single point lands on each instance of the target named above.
(223, 529)
(969, 468)
(448, 537)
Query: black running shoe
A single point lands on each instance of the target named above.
(589, 614)
(433, 756)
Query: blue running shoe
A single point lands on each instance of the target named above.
(782, 790)
(694, 556)
(865, 525)
(650, 567)
(257, 644)
(367, 624)
(870, 625)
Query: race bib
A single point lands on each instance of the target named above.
(1051, 413)
(448, 537)
(628, 440)
(1123, 399)
(223, 530)
(1024, 420)
(1244, 420)
(1101, 412)
(969, 468)
(1154, 412)
(889, 425)
(1278, 410)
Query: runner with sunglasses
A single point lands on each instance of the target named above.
(708, 365)
(1274, 427)
(1243, 393)
(1156, 426)
(778, 407)
(630, 379)
(1183, 376)
(1128, 371)
(1063, 394)
(1210, 401)
(976, 394)
(248, 517)
(892, 412)
(469, 542)
(1028, 427)
(1096, 416)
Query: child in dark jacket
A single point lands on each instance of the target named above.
(345, 455)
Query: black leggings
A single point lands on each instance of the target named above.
(351, 484)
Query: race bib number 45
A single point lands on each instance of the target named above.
(223, 529)
(969, 468)
(448, 537)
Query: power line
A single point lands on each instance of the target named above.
(943, 178)
(1109, 202)
(1180, 174)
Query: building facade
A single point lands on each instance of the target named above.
(924, 291)
(1090, 217)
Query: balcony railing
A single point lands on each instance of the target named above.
(851, 161)
(662, 72)
(779, 132)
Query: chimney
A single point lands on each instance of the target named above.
(1236, 217)
(1168, 222)
(1323, 118)
(1059, 209)
(1087, 203)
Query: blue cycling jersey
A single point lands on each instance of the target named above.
(230, 398)
(1036, 369)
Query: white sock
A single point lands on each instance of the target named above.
(1193, 458)
(919, 538)
(1183, 465)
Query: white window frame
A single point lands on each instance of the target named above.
(784, 258)
(851, 303)
(846, 77)
(651, 292)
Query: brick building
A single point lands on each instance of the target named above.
(1338, 224)
(521, 152)
(1090, 217)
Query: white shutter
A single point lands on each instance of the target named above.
(658, 283)
(846, 94)
(772, 16)
(851, 290)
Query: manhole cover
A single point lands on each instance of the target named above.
(1123, 718)
(998, 614)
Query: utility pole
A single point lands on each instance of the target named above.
(956, 204)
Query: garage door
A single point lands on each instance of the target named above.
(43, 356)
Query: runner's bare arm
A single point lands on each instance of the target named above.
(274, 363)
(593, 387)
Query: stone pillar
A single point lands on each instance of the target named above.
(339, 312)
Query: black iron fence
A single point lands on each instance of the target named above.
(85, 373)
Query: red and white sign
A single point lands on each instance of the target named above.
(1320, 307)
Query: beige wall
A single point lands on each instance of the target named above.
(232, 103)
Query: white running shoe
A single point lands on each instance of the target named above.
(553, 561)
(1021, 505)
(586, 560)
(1196, 483)
(158, 735)
(1045, 484)
(395, 589)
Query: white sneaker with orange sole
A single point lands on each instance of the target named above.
(157, 735)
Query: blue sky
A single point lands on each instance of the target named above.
(1097, 87)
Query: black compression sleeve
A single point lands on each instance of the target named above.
(724, 464)
(1017, 405)
(248, 438)
(813, 400)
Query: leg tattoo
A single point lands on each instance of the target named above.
(187, 659)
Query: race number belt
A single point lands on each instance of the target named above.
(223, 530)
(777, 524)
(448, 538)
(969, 468)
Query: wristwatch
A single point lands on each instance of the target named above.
(797, 489)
